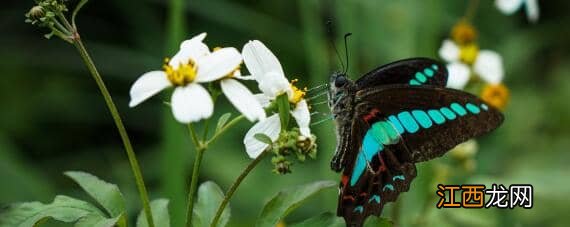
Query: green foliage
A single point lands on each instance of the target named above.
(106, 194)
(263, 138)
(288, 200)
(159, 208)
(68, 209)
(324, 219)
(63, 208)
(284, 108)
(210, 195)
(222, 121)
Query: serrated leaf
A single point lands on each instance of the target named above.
(288, 200)
(210, 195)
(160, 215)
(284, 110)
(99, 221)
(222, 121)
(325, 219)
(63, 208)
(263, 138)
(373, 221)
(106, 194)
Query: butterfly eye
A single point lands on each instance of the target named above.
(340, 81)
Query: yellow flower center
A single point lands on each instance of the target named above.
(298, 94)
(468, 53)
(183, 75)
(496, 95)
(463, 33)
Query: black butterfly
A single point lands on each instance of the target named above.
(391, 118)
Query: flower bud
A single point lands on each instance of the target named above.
(282, 165)
(36, 13)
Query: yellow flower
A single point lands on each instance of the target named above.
(463, 33)
(468, 53)
(496, 95)
(296, 94)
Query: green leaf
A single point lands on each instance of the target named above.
(288, 200)
(99, 221)
(76, 10)
(63, 208)
(263, 138)
(106, 194)
(324, 219)
(210, 195)
(373, 221)
(222, 121)
(284, 110)
(159, 209)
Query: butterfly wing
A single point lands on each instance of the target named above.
(413, 71)
(396, 126)
(431, 120)
(375, 175)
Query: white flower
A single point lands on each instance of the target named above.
(511, 6)
(266, 69)
(488, 65)
(192, 65)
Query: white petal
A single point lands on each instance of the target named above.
(273, 84)
(246, 77)
(259, 60)
(271, 127)
(532, 10)
(489, 66)
(263, 99)
(148, 85)
(218, 64)
(303, 117)
(191, 103)
(508, 6)
(458, 75)
(190, 51)
(198, 38)
(243, 100)
(449, 51)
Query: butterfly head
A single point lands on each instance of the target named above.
(340, 86)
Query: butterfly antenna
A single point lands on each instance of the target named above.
(331, 42)
(322, 120)
(346, 50)
(318, 88)
(320, 103)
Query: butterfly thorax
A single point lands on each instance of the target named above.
(341, 103)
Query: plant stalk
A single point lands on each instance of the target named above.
(234, 187)
(120, 126)
(194, 183)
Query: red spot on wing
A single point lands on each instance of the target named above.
(344, 180)
(382, 166)
(371, 115)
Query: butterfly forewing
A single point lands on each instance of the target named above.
(431, 120)
(413, 71)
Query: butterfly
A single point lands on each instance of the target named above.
(391, 118)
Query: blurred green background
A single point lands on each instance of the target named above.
(52, 118)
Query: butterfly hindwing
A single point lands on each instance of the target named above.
(380, 170)
(413, 71)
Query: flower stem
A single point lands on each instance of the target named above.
(223, 129)
(120, 127)
(200, 149)
(234, 187)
